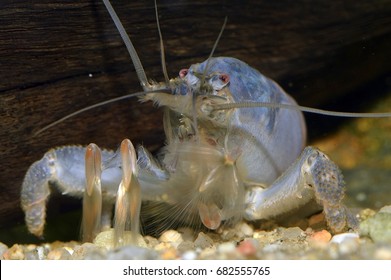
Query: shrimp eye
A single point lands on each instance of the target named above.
(224, 78)
(183, 73)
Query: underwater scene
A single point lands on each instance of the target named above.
(195, 137)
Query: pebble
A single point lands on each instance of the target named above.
(171, 236)
(59, 254)
(3, 249)
(151, 241)
(42, 252)
(208, 253)
(169, 254)
(292, 233)
(385, 209)
(132, 253)
(271, 248)
(89, 251)
(163, 246)
(366, 213)
(203, 241)
(245, 242)
(316, 220)
(189, 255)
(106, 239)
(14, 253)
(187, 233)
(226, 248)
(186, 246)
(378, 227)
(343, 237)
(246, 229)
(322, 236)
(348, 243)
(248, 247)
(227, 234)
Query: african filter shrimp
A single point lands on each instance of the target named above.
(235, 149)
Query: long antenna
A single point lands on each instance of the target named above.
(213, 50)
(136, 94)
(129, 46)
(249, 104)
(162, 53)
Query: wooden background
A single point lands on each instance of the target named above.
(60, 56)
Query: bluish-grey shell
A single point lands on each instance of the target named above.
(266, 140)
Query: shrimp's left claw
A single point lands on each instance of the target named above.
(128, 204)
(312, 175)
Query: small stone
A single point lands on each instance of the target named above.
(317, 221)
(59, 254)
(69, 250)
(132, 253)
(377, 227)
(170, 254)
(248, 247)
(151, 241)
(322, 236)
(246, 229)
(31, 255)
(42, 251)
(89, 251)
(385, 209)
(163, 246)
(3, 249)
(226, 233)
(187, 233)
(189, 255)
(208, 253)
(261, 234)
(203, 241)
(348, 243)
(271, 248)
(34, 252)
(106, 239)
(186, 246)
(343, 237)
(226, 248)
(366, 213)
(293, 233)
(171, 236)
(14, 253)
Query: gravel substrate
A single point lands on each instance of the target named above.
(373, 241)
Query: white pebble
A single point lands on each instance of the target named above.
(226, 247)
(189, 255)
(339, 238)
(171, 236)
(246, 229)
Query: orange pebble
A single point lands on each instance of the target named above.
(246, 248)
(316, 219)
(321, 236)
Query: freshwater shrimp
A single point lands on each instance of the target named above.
(235, 149)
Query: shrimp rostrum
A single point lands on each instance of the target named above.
(221, 163)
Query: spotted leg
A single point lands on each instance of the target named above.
(312, 176)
